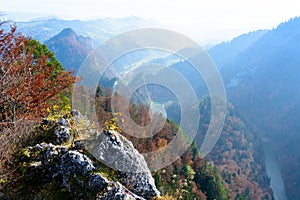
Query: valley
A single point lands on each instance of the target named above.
(257, 154)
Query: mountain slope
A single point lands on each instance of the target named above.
(238, 155)
(263, 82)
(226, 51)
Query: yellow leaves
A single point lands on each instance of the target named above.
(55, 107)
(2, 181)
(112, 124)
(166, 197)
(45, 127)
(55, 112)
(67, 107)
(48, 110)
(26, 153)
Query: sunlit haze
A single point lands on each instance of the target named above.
(204, 21)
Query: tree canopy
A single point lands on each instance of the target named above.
(30, 76)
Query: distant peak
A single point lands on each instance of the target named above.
(67, 32)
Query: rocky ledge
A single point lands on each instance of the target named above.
(74, 162)
(114, 150)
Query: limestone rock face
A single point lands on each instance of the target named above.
(117, 152)
(62, 131)
(62, 165)
(114, 150)
(73, 164)
(97, 182)
(116, 191)
(64, 159)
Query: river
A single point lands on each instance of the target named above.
(273, 171)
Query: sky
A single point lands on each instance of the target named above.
(208, 21)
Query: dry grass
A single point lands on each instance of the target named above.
(12, 137)
(165, 197)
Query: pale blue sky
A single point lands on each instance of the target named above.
(203, 21)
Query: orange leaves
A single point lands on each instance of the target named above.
(28, 78)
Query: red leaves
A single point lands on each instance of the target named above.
(27, 81)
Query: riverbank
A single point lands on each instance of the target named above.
(273, 171)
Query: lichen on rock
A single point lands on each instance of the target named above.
(117, 152)
(64, 159)
(116, 191)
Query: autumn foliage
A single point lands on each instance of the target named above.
(30, 77)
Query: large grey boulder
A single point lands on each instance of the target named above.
(117, 152)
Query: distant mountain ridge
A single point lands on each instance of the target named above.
(72, 50)
(223, 52)
(98, 30)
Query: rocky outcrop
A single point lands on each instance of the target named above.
(62, 132)
(117, 152)
(65, 161)
(50, 162)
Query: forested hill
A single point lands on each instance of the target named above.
(238, 155)
(70, 49)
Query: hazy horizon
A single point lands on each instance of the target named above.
(205, 22)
